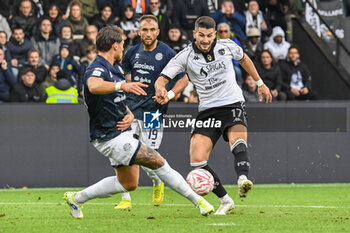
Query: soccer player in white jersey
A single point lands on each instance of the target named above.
(110, 118)
(208, 64)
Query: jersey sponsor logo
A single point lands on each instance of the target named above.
(146, 80)
(159, 56)
(212, 67)
(142, 71)
(119, 99)
(152, 120)
(221, 51)
(137, 55)
(143, 66)
(196, 57)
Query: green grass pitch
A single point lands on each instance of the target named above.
(268, 208)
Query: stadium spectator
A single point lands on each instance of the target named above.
(276, 11)
(139, 6)
(175, 40)
(76, 20)
(91, 54)
(105, 16)
(37, 65)
(186, 12)
(4, 26)
(130, 24)
(3, 46)
(163, 20)
(296, 77)
(250, 90)
(89, 9)
(4, 9)
(7, 78)
(18, 47)
(224, 32)
(63, 7)
(26, 90)
(66, 37)
(67, 63)
(277, 44)
(214, 5)
(54, 15)
(61, 91)
(235, 20)
(253, 46)
(256, 19)
(51, 78)
(118, 7)
(89, 39)
(166, 7)
(270, 73)
(193, 97)
(46, 42)
(25, 19)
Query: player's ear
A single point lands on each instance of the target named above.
(158, 32)
(138, 32)
(194, 34)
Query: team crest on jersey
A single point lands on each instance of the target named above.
(159, 56)
(209, 57)
(221, 51)
(137, 55)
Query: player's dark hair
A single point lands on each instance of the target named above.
(205, 22)
(148, 17)
(107, 36)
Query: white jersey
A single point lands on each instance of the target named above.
(212, 73)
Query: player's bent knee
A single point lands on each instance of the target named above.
(129, 186)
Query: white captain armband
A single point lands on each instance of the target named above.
(259, 82)
(118, 86)
(171, 95)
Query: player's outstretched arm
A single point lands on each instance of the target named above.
(263, 90)
(98, 86)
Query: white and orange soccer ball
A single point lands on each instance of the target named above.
(201, 181)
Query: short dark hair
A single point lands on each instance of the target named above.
(17, 27)
(33, 51)
(107, 36)
(293, 47)
(205, 22)
(146, 17)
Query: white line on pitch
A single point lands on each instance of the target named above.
(172, 204)
(222, 224)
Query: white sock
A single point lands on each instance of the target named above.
(225, 199)
(104, 188)
(126, 196)
(243, 177)
(152, 175)
(176, 182)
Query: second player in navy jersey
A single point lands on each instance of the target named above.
(145, 62)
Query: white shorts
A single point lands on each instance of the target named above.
(150, 137)
(120, 150)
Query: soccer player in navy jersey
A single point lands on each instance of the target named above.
(110, 118)
(144, 62)
(208, 64)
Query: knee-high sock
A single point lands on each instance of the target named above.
(242, 161)
(175, 181)
(218, 189)
(152, 175)
(104, 188)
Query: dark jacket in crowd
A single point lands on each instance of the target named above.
(236, 21)
(271, 77)
(288, 69)
(48, 48)
(254, 56)
(6, 52)
(19, 51)
(7, 80)
(70, 66)
(99, 23)
(78, 27)
(186, 12)
(163, 22)
(177, 45)
(29, 24)
(74, 47)
(40, 72)
(22, 93)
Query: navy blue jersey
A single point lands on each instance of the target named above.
(146, 66)
(104, 110)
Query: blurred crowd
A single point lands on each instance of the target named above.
(46, 45)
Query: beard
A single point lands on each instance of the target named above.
(149, 44)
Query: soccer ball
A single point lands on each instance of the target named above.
(201, 181)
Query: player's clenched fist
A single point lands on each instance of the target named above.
(134, 87)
